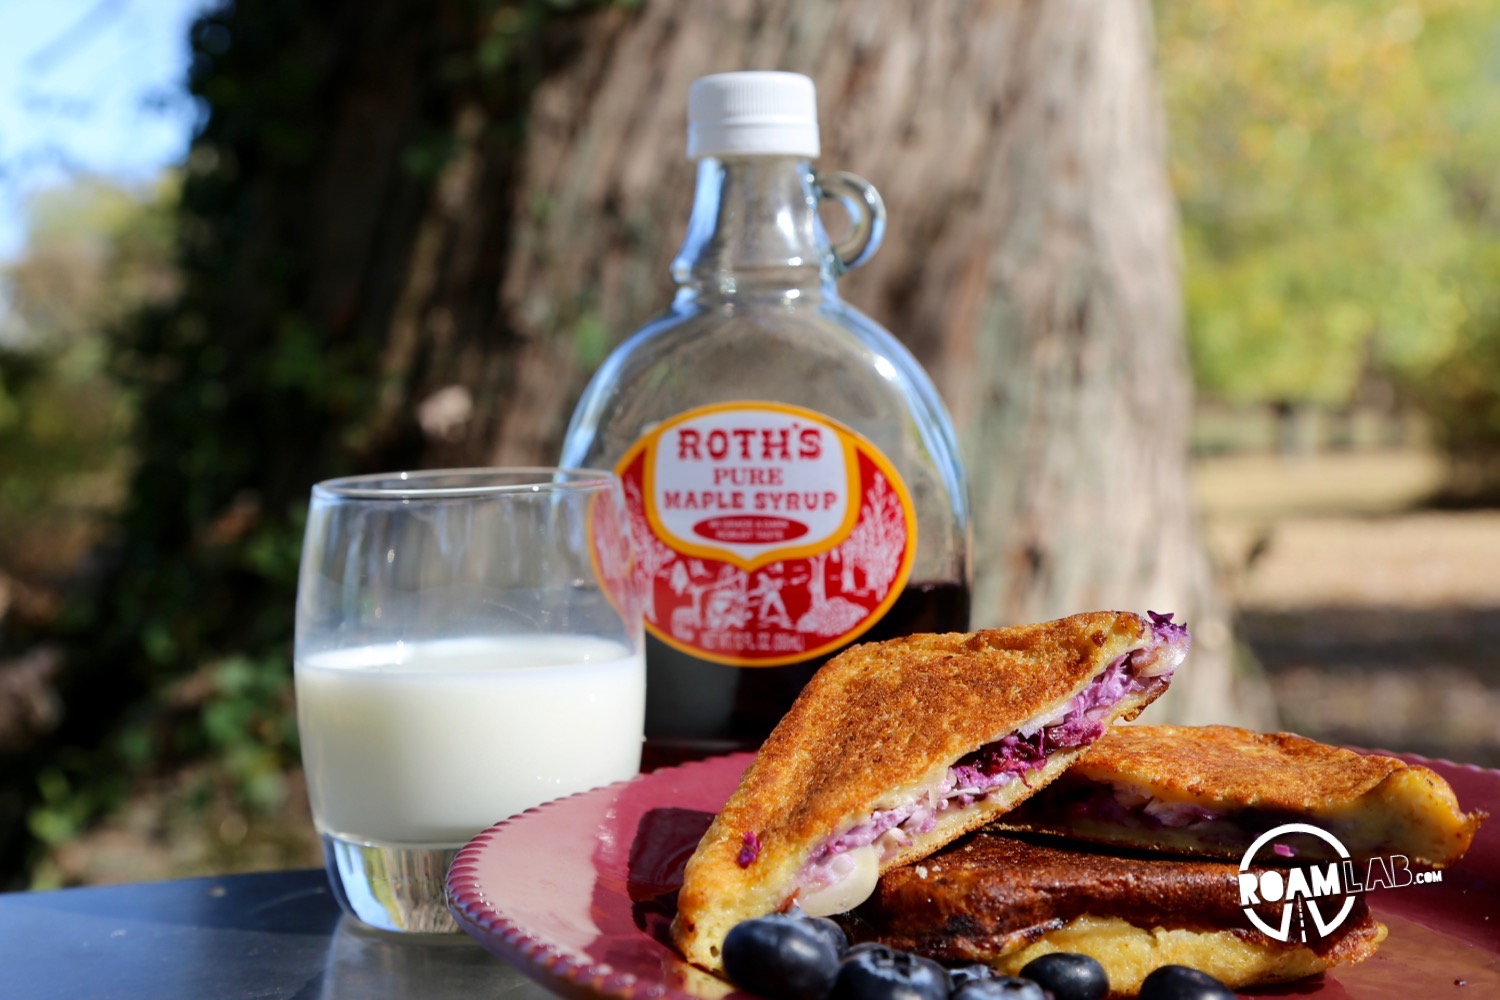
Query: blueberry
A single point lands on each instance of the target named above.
(1068, 976)
(781, 956)
(970, 974)
(1001, 988)
(1178, 982)
(831, 932)
(875, 972)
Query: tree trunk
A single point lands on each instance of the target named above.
(1030, 262)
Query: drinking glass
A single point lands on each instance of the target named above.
(468, 646)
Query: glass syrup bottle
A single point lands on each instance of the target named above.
(793, 479)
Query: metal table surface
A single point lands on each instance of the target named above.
(270, 936)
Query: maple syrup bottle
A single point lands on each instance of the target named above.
(792, 478)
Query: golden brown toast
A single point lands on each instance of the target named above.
(1211, 790)
(872, 743)
(1003, 901)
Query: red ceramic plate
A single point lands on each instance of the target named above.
(578, 894)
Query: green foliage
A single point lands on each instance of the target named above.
(1334, 163)
(591, 340)
(180, 649)
(248, 724)
(251, 381)
(1462, 394)
(95, 252)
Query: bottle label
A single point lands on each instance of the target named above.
(765, 534)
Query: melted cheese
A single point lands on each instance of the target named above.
(858, 871)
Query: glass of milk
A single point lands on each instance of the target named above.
(468, 646)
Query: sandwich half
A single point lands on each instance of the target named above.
(1212, 790)
(1003, 901)
(896, 748)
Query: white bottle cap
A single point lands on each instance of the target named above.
(749, 114)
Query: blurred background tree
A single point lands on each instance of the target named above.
(1335, 166)
(96, 253)
(405, 233)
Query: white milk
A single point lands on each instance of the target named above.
(429, 743)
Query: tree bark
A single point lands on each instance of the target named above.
(1030, 262)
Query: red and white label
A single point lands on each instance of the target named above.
(765, 534)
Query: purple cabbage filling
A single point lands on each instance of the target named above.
(1167, 630)
(998, 764)
(1103, 804)
(749, 850)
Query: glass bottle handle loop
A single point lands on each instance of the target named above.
(866, 216)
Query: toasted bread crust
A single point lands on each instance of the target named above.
(1375, 804)
(1228, 765)
(1003, 900)
(876, 723)
(995, 892)
(1130, 953)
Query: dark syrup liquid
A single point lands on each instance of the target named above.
(696, 708)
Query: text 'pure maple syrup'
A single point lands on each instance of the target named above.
(791, 476)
